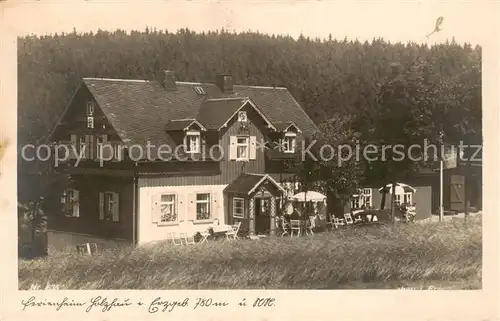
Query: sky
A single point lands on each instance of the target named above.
(395, 21)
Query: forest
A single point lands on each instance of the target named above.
(334, 80)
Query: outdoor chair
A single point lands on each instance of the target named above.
(187, 238)
(331, 223)
(348, 219)
(285, 226)
(204, 236)
(175, 240)
(310, 225)
(338, 222)
(87, 248)
(295, 228)
(234, 231)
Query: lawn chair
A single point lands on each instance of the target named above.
(86, 248)
(332, 223)
(310, 225)
(204, 236)
(233, 232)
(187, 238)
(348, 219)
(295, 227)
(175, 240)
(338, 222)
(284, 226)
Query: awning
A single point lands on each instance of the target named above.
(308, 196)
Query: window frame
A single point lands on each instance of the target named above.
(245, 116)
(174, 209)
(105, 205)
(242, 207)
(68, 206)
(187, 147)
(90, 108)
(246, 144)
(286, 146)
(90, 122)
(209, 206)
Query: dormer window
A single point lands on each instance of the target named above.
(289, 142)
(90, 108)
(192, 142)
(242, 116)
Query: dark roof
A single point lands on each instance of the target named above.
(215, 112)
(178, 124)
(245, 183)
(140, 110)
(282, 125)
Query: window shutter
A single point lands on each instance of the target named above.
(72, 150)
(232, 147)
(155, 208)
(101, 205)
(253, 147)
(214, 206)
(76, 204)
(180, 207)
(191, 208)
(91, 142)
(116, 207)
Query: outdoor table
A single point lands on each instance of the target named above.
(218, 231)
(364, 216)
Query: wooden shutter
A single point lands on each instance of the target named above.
(116, 207)
(253, 147)
(232, 147)
(101, 205)
(76, 204)
(155, 208)
(180, 207)
(73, 150)
(214, 206)
(190, 208)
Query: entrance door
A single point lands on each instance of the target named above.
(262, 215)
(457, 192)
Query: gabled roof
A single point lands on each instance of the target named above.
(248, 183)
(182, 124)
(284, 125)
(140, 110)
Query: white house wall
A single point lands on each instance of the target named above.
(149, 231)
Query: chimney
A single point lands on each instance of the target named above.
(168, 80)
(225, 83)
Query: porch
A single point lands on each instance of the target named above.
(252, 199)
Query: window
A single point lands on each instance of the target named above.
(289, 143)
(367, 197)
(355, 203)
(203, 206)
(192, 142)
(90, 108)
(70, 201)
(109, 206)
(90, 122)
(238, 207)
(242, 116)
(83, 143)
(167, 209)
(397, 199)
(407, 199)
(242, 148)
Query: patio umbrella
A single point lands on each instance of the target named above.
(309, 196)
(400, 188)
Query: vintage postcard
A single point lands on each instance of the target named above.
(254, 159)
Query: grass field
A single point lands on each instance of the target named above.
(421, 256)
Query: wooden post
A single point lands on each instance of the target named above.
(251, 216)
(272, 229)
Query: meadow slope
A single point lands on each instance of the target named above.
(446, 255)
